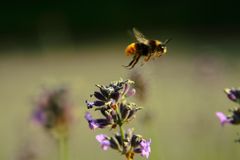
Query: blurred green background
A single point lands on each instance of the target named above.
(81, 43)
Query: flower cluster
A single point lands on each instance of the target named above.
(52, 111)
(132, 144)
(234, 116)
(111, 102)
(111, 94)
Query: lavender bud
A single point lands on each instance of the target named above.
(99, 96)
(104, 92)
(133, 112)
(102, 123)
(115, 144)
(115, 96)
(136, 140)
(129, 134)
(233, 94)
(125, 111)
(99, 103)
(118, 138)
(106, 113)
(235, 118)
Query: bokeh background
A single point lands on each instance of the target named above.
(81, 43)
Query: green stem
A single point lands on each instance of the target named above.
(120, 123)
(121, 132)
(63, 148)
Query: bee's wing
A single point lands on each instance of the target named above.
(139, 36)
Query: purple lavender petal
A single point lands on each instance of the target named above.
(88, 116)
(91, 122)
(102, 139)
(222, 118)
(93, 125)
(131, 92)
(89, 104)
(128, 91)
(145, 148)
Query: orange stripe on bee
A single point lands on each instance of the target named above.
(131, 49)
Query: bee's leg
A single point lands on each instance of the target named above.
(134, 58)
(158, 54)
(135, 62)
(146, 59)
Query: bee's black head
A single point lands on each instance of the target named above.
(162, 48)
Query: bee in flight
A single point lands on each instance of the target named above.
(144, 47)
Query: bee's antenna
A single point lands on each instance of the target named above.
(167, 40)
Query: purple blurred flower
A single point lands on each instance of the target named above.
(39, 117)
(145, 148)
(223, 118)
(104, 141)
(53, 109)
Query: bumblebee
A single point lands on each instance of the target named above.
(144, 47)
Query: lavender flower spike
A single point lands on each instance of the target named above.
(53, 110)
(145, 148)
(103, 140)
(223, 118)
